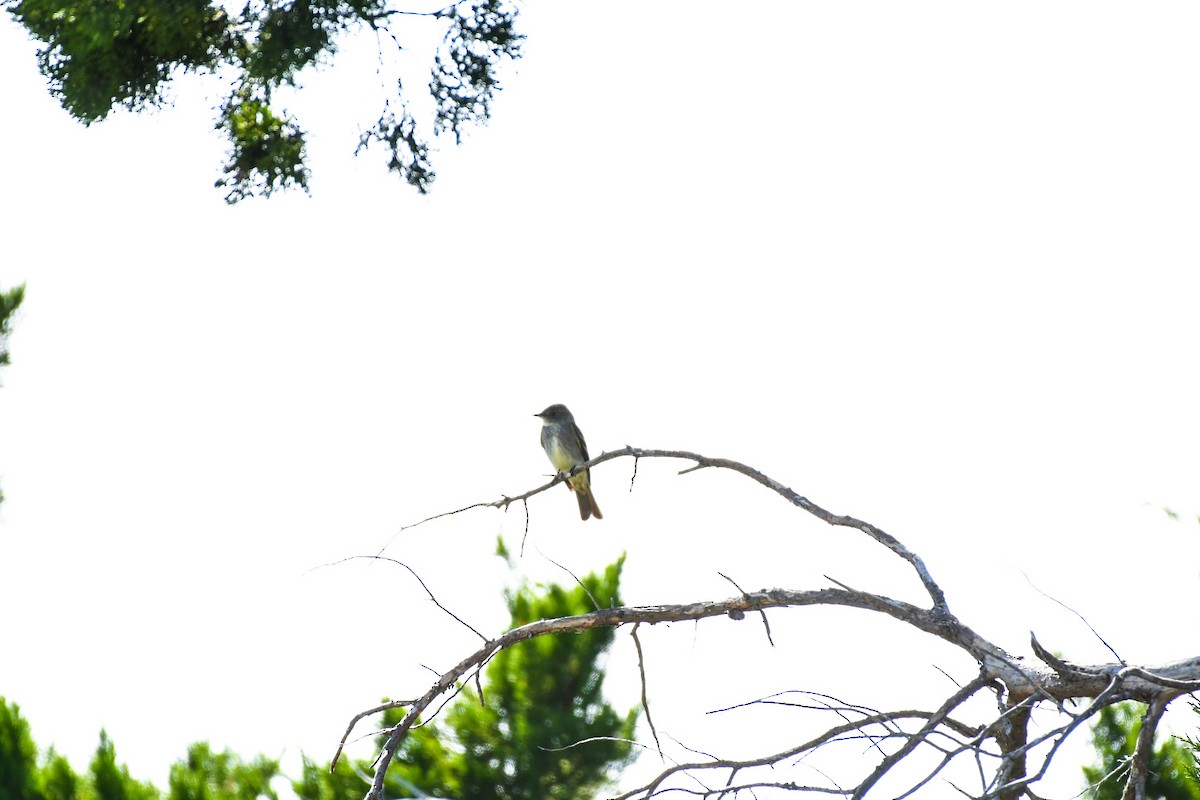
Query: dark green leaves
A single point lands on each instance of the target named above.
(99, 55)
(103, 54)
(408, 153)
(266, 149)
(464, 74)
(287, 37)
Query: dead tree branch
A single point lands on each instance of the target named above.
(1139, 767)
(1009, 755)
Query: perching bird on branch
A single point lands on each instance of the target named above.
(563, 442)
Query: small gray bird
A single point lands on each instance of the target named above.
(563, 442)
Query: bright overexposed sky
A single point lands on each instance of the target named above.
(931, 264)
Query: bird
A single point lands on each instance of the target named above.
(564, 445)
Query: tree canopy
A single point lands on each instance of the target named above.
(99, 57)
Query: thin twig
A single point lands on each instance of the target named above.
(574, 577)
(413, 572)
(955, 700)
(525, 535)
(589, 740)
(1082, 618)
(359, 716)
(645, 703)
(411, 525)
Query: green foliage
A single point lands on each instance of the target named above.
(18, 756)
(267, 150)
(99, 55)
(291, 36)
(205, 775)
(464, 73)
(543, 700)
(318, 783)
(21, 778)
(541, 697)
(10, 301)
(111, 780)
(1114, 736)
(408, 152)
(57, 780)
(1192, 743)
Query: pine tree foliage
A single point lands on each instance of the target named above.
(1114, 736)
(202, 775)
(526, 740)
(110, 780)
(58, 781)
(205, 775)
(1192, 743)
(18, 756)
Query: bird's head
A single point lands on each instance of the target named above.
(555, 413)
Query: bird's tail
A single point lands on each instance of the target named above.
(587, 502)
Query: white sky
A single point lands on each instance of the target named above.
(930, 264)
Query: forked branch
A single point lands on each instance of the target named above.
(1000, 746)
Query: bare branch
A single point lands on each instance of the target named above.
(1163, 680)
(701, 462)
(1139, 766)
(955, 700)
(825, 702)
(645, 703)
(649, 789)
(360, 716)
(1003, 744)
